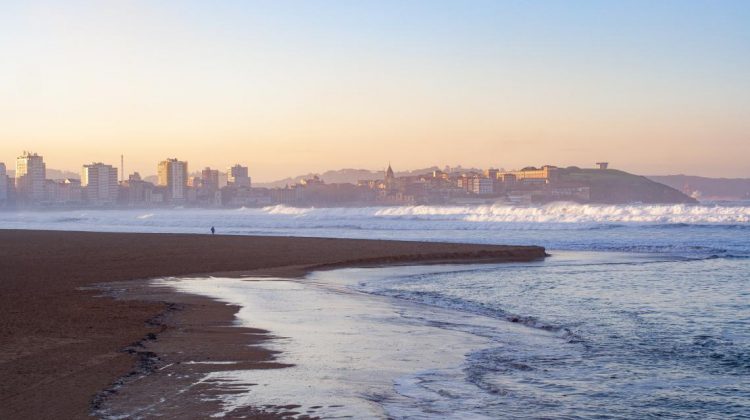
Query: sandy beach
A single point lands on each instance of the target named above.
(67, 345)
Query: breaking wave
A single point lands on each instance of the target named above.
(612, 215)
(286, 210)
(579, 213)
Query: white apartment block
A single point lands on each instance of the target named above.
(31, 173)
(173, 174)
(99, 183)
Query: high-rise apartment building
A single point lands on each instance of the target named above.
(173, 174)
(237, 176)
(30, 175)
(99, 183)
(3, 184)
(210, 179)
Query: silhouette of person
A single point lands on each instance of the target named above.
(213, 230)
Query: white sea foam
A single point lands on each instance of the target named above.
(559, 212)
(286, 210)
(575, 213)
(458, 217)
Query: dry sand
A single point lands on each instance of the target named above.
(66, 350)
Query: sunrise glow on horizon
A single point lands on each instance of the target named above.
(289, 88)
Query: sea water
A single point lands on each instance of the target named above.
(642, 311)
(580, 335)
(715, 229)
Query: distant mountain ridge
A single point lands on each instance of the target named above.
(708, 188)
(52, 174)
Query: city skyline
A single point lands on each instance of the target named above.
(30, 187)
(293, 88)
(152, 170)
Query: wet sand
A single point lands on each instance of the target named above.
(68, 346)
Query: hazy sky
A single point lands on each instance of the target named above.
(654, 87)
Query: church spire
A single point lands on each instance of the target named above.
(389, 172)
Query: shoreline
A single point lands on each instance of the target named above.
(348, 348)
(65, 345)
(216, 343)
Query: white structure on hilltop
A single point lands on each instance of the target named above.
(99, 183)
(173, 174)
(31, 173)
(237, 176)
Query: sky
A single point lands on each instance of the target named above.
(291, 87)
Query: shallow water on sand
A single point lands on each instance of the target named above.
(348, 348)
(581, 335)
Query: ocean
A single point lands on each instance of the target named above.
(641, 311)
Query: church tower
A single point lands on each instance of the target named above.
(389, 177)
(389, 173)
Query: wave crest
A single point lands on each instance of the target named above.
(576, 213)
(286, 210)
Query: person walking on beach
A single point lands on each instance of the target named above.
(213, 230)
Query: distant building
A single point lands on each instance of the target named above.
(136, 192)
(390, 178)
(62, 193)
(69, 191)
(438, 174)
(545, 174)
(173, 174)
(210, 179)
(30, 175)
(236, 197)
(315, 180)
(194, 181)
(464, 182)
(291, 195)
(507, 178)
(482, 186)
(602, 165)
(3, 185)
(158, 195)
(237, 176)
(99, 183)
